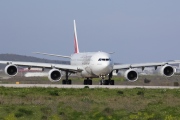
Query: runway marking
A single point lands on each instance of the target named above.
(90, 86)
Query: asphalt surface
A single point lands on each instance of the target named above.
(90, 86)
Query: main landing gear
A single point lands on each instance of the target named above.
(108, 81)
(67, 81)
(87, 81)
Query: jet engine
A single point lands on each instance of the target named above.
(11, 70)
(166, 70)
(54, 75)
(131, 75)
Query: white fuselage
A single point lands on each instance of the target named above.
(94, 64)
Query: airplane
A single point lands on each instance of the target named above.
(90, 65)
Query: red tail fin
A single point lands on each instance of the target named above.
(76, 48)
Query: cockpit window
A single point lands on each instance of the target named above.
(104, 59)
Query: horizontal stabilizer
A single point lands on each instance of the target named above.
(52, 55)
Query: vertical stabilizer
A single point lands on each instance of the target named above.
(76, 48)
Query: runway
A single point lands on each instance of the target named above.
(83, 86)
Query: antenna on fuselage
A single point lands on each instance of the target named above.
(76, 48)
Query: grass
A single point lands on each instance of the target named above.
(88, 104)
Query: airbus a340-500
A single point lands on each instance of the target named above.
(89, 65)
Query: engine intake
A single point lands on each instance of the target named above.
(11, 70)
(166, 70)
(131, 75)
(54, 75)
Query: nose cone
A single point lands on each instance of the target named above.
(102, 64)
(106, 68)
(103, 68)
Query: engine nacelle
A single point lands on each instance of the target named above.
(166, 70)
(11, 70)
(130, 74)
(54, 75)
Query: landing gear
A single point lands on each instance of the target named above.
(101, 82)
(111, 82)
(106, 82)
(67, 81)
(87, 81)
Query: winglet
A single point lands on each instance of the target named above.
(76, 48)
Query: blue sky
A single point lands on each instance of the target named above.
(136, 30)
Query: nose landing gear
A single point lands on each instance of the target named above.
(106, 82)
(102, 81)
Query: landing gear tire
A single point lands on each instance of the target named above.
(68, 82)
(111, 82)
(87, 82)
(90, 82)
(106, 82)
(63, 82)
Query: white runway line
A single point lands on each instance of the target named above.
(90, 86)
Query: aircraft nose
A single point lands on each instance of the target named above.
(103, 68)
(106, 68)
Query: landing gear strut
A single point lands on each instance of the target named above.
(102, 81)
(87, 81)
(111, 82)
(106, 82)
(66, 81)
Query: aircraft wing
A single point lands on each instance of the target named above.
(44, 65)
(143, 65)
